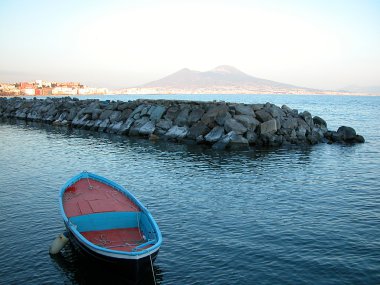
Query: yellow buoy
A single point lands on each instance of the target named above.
(58, 244)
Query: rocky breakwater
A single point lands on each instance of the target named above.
(220, 125)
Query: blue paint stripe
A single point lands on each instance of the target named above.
(105, 221)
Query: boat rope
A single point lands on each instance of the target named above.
(90, 187)
(151, 264)
(104, 242)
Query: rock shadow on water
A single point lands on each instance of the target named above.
(180, 151)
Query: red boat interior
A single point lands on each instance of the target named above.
(104, 216)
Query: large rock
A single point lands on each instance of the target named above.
(251, 137)
(209, 117)
(307, 118)
(147, 129)
(177, 132)
(198, 129)
(164, 124)
(156, 113)
(103, 125)
(123, 106)
(125, 114)
(115, 116)
(145, 111)
(289, 123)
(302, 124)
(172, 113)
(105, 114)
(115, 127)
(234, 125)
(124, 129)
(196, 115)
(137, 125)
(346, 133)
(268, 127)
(215, 134)
(90, 109)
(231, 140)
(248, 121)
(182, 118)
(263, 116)
(137, 110)
(244, 110)
(275, 111)
(315, 136)
(222, 117)
(319, 121)
(72, 113)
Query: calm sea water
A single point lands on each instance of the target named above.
(302, 215)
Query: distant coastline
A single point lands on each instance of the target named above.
(117, 93)
(223, 79)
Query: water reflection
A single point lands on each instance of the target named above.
(191, 152)
(82, 270)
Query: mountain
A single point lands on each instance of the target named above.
(221, 76)
(223, 79)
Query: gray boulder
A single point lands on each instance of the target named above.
(248, 121)
(124, 129)
(231, 140)
(268, 127)
(195, 115)
(137, 125)
(307, 118)
(115, 127)
(319, 121)
(222, 117)
(115, 116)
(172, 113)
(156, 113)
(164, 124)
(123, 106)
(251, 137)
(137, 110)
(209, 117)
(275, 111)
(234, 125)
(263, 116)
(105, 114)
(182, 118)
(215, 134)
(147, 129)
(145, 111)
(177, 132)
(289, 123)
(244, 110)
(346, 133)
(103, 125)
(198, 129)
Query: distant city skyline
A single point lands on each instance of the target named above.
(118, 44)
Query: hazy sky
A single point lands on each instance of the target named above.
(320, 44)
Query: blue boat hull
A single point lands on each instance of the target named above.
(96, 217)
(132, 265)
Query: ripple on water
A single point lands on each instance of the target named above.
(286, 216)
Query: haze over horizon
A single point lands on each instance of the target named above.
(114, 44)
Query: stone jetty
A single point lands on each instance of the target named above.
(220, 125)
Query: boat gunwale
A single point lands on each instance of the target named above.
(121, 189)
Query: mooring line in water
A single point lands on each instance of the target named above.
(151, 265)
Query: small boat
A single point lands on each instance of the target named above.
(107, 222)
